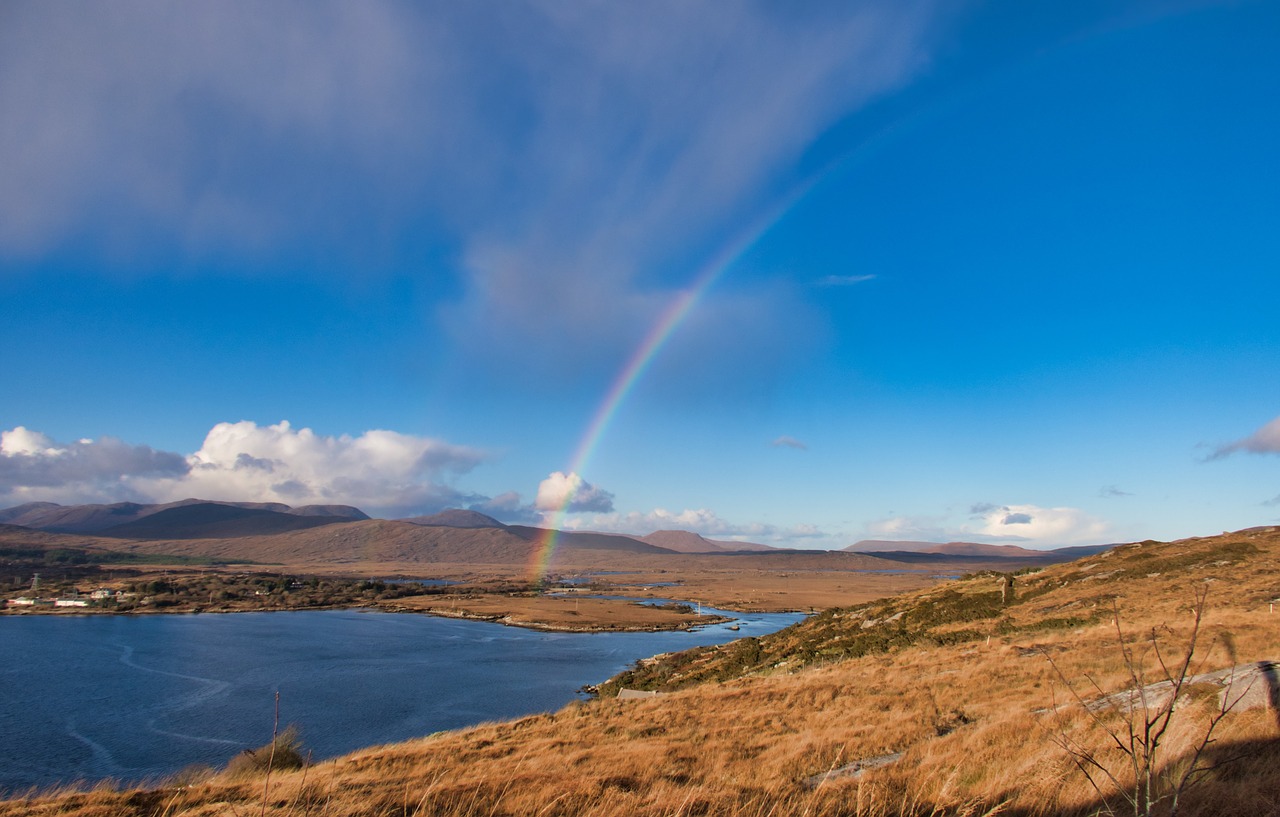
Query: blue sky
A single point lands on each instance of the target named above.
(997, 271)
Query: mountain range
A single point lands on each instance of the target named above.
(184, 519)
(451, 535)
(970, 549)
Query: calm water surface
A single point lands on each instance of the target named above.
(132, 697)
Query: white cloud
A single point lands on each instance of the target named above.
(571, 493)
(1025, 525)
(33, 466)
(1030, 524)
(21, 441)
(1265, 440)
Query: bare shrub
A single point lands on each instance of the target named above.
(1137, 723)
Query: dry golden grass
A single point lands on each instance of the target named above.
(973, 720)
(777, 590)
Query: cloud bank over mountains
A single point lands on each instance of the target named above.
(392, 474)
(34, 466)
(382, 470)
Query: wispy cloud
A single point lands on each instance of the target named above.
(786, 441)
(844, 280)
(1109, 491)
(560, 150)
(1265, 440)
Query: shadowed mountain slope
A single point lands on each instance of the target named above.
(75, 518)
(27, 510)
(207, 520)
(50, 516)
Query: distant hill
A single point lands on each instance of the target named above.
(14, 515)
(343, 511)
(226, 533)
(974, 549)
(211, 520)
(455, 518)
(96, 519)
(49, 516)
(683, 541)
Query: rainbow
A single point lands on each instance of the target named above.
(663, 328)
(685, 300)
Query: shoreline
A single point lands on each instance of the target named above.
(492, 618)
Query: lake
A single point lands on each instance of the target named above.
(138, 697)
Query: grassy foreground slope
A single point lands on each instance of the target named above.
(954, 701)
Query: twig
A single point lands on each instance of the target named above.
(271, 758)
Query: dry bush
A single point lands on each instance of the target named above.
(283, 753)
